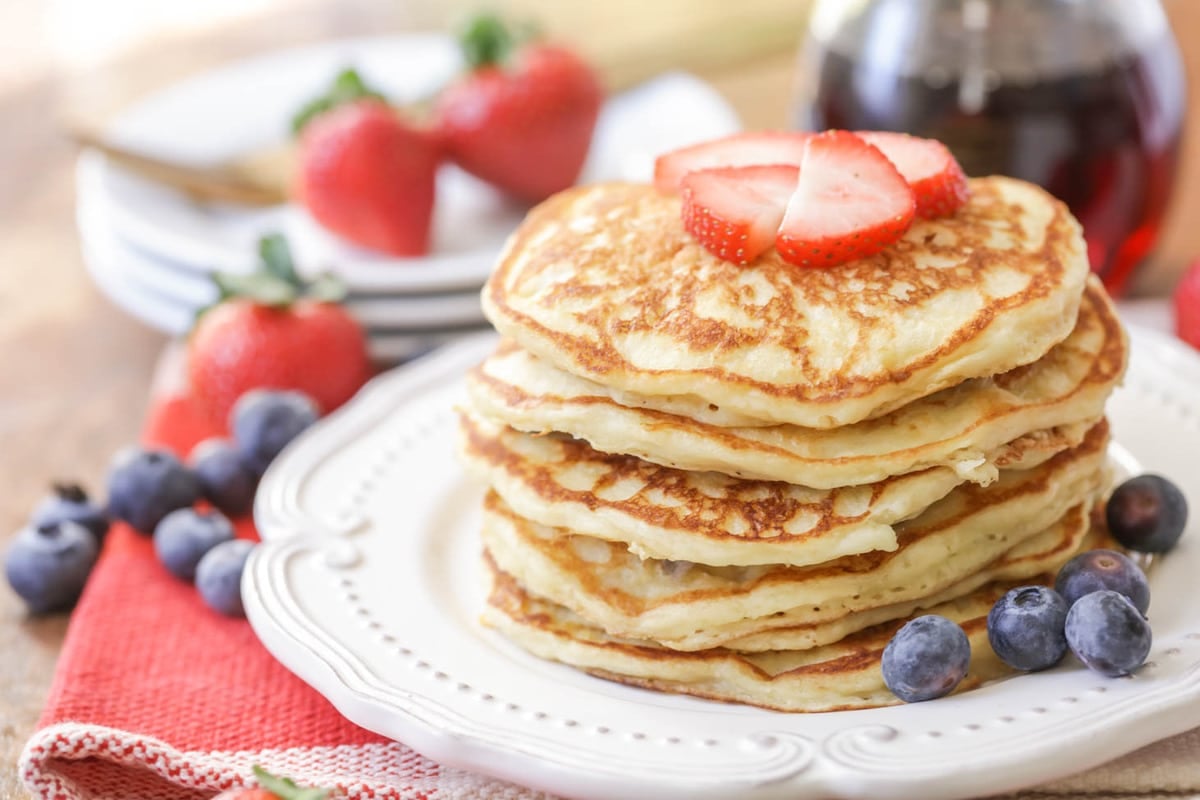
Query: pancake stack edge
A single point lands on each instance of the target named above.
(660, 514)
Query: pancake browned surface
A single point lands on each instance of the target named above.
(957, 427)
(660, 600)
(603, 282)
(839, 676)
(710, 517)
(572, 570)
(1043, 553)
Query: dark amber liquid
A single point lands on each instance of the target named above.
(1105, 141)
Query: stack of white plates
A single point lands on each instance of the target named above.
(153, 251)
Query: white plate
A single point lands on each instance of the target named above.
(246, 106)
(184, 288)
(392, 348)
(168, 301)
(368, 588)
(449, 310)
(138, 301)
(108, 270)
(195, 290)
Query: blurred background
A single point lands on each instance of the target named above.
(75, 368)
(81, 62)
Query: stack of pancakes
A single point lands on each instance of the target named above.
(738, 482)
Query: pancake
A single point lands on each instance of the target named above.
(955, 428)
(796, 628)
(603, 282)
(1043, 553)
(709, 517)
(840, 676)
(664, 600)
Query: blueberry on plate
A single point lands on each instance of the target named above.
(1147, 514)
(926, 658)
(146, 485)
(265, 421)
(219, 576)
(48, 565)
(185, 535)
(1108, 634)
(1103, 569)
(1025, 628)
(69, 502)
(227, 480)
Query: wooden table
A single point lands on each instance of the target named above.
(76, 370)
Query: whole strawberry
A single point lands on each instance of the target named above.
(272, 331)
(1187, 306)
(271, 787)
(368, 176)
(522, 117)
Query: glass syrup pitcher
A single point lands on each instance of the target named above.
(1084, 97)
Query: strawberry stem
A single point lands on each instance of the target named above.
(486, 41)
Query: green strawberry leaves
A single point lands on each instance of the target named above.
(347, 87)
(326, 288)
(285, 788)
(485, 40)
(488, 40)
(276, 257)
(275, 283)
(262, 288)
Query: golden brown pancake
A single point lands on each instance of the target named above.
(797, 628)
(666, 601)
(603, 282)
(709, 517)
(835, 677)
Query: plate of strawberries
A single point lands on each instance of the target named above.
(403, 161)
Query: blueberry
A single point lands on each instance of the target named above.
(264, 421)
(227, 481)
(1103, 569)
(146, 485)
(47, 565)
(1108, 634)
(68, 501)
(926, 658)
(1147, 514)
(1025, 628)
(185, 535)
(219, 576)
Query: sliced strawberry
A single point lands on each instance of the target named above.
(936, 178)
(850, 202)
(738, 150)
(734, 212)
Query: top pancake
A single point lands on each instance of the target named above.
(603, 282)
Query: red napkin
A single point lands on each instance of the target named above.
(156, 696)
